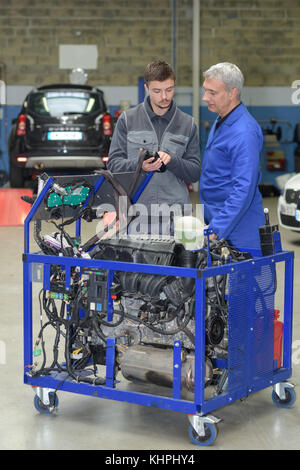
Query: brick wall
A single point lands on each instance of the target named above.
(261, 36)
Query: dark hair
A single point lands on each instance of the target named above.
(158, 70)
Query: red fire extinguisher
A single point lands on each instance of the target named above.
(278, 332)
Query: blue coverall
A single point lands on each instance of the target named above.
(229, 181)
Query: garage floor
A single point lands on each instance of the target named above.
(89, 423)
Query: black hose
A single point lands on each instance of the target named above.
(71, 371)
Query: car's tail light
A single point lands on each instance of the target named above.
(107, 124)
(22, 159)
(21, 124)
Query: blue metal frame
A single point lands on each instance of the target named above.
(244, 379)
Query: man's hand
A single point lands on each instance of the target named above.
(213, 236)
(165, 157)
(151, 165)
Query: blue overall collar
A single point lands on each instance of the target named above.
(220, 119)
(233, 116)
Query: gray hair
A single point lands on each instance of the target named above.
(229, 73)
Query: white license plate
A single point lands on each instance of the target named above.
(64, 135)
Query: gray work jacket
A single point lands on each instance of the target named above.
(135, 130)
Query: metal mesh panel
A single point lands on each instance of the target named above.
(263, 325)
(239, 311)
(251, 325)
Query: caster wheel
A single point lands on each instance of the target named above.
(211, 432)
(42, 408)
(290, 397)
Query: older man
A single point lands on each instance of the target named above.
(230, 167)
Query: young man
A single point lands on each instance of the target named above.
(157, 125)
(230, 165)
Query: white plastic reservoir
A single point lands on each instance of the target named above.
(188, 230)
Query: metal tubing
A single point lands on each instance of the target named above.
(196, 60)
(199, 342)
(110, 278)
(27, 319)
(110, 362)
(177, 369)
(250, 326)
(32, 212)
(101, 391)
(174, 35)
(288, 313)
(46, 277)
(114, 265)
(141, 188)
(67, 277)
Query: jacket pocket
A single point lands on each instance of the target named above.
(140, 139)
(174, 145)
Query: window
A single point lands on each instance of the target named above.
(63, 102)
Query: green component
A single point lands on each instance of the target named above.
(37, 352)
(84, 291)
(74, 198)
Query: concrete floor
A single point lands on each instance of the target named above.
(83, 422)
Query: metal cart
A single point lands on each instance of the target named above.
(250, 364)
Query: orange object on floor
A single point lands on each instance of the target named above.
(13, 210)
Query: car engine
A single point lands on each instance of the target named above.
(149, 312)
(145, 313)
